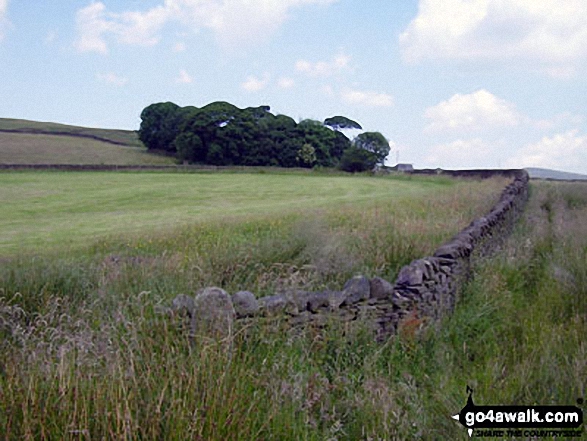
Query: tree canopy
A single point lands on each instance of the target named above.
(342, 122)
(223, 134)
(375, 143)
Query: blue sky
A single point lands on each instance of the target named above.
(451, 83)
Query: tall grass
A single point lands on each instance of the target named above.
(87, 355)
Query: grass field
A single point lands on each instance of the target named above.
(87, 356)
(51, 209)
(122, 137)
(26, 148)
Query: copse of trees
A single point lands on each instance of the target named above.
(222, 134)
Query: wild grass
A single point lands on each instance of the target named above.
(266, 233)
(86, 355)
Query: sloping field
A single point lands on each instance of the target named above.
(29, 148)
(121, 137)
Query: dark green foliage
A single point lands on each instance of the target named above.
(222, 134)
(342, 122)
(319, 137)
(341, 143)
(159, 126)
(189, 147)
(357, 160)
(375, 143)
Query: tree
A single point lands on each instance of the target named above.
(307, 155)
(341, 143)
(189, 147)
(342, 122)
(159, 126)
(223, 134)
(375, 143)
(357, 160)
(321, 138)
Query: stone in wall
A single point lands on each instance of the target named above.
(213, 313)
(356, 289)
(245, 304)
(380, 288)
(272, 305)
(183, 305)
(429, 285)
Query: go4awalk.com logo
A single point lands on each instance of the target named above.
(521, 421)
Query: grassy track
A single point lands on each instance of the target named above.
(27, 148)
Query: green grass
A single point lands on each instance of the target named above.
(123, 137)
(61, 209)
(27, 148)
(86, 354)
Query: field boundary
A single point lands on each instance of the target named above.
(474, 174)
(73, 135)
(424, 290)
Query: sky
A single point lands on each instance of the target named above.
(450, 83)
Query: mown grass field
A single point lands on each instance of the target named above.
(60, 209)
(86, 355)
(122, 137)
(29, 148)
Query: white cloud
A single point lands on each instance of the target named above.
(254, 84)
(286, 83)
(112, 79)
(179, 47)
(94, 22)
(565, 151)
(184, 77)
(91, 26)
(323, 68)
(551, 34)
(562, 119)
(4, 23)
(471, 153)
(367, 98)
(327, 90)
(474, 111)
(234, 22)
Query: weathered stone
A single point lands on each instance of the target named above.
(356, 289)
(245, 304)
(335, 299)
(291, 307)
(401, 298)
(418, 290)
(448, 251)
(446, 269)
(317, 300)
(380, 288)
(446, 261)
(411, 274)
(213, 313)
(272, 305)
(301, 299)
(183, 305)
(347, 316)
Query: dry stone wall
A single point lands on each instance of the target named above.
(425, 289)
